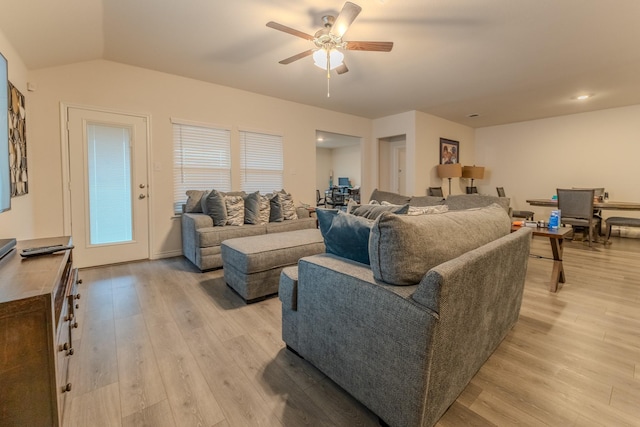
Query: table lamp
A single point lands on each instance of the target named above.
(451, 170)
(472, 172)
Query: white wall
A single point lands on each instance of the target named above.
(162, 96)
(423, 132)
(346, 163)
(324, 166)
(19, 221)
(531, 159)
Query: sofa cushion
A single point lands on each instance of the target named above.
(402, 248)
(325, 218)
(469, 201)
(252, 208)
(374, 211)
(214, 206)
(235, 210)
(387, 196)
(265, 209)
(348, 236)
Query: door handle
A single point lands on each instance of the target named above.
(141, 186)
(141, 196)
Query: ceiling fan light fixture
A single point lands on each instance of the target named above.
(320, 58)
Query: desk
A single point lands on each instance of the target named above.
(610, 205)
(556, 239)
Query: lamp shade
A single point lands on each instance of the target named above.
(451, 170)
(473, 172)
(320, 58)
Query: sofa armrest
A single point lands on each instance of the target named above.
(477, 297)
(191, 222)
(302, 212)
(370, 338)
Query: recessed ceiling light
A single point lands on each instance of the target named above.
(583, 97)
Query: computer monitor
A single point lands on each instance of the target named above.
(343, 182)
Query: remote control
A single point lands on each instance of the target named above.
(44, 250)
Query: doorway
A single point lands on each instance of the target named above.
(107, 169)
(392, 161)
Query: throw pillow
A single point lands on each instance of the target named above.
(275, 206)
(265, 209)
(235, 210)
(325, 218)
(347, 236)
(403, 247)
(214, 206)
(252, 208)
(374, 211)
(422, 210)
(288, 207)
(194, 198)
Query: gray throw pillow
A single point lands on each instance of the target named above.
(404, 247)
(214, 206)
(348, 237)
(275, 206)
(374, 211)
(252, 208)
(194, 198)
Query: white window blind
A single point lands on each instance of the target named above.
(201, 160)
(261, 162)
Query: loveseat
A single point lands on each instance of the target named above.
(405, 334)
(201, 239)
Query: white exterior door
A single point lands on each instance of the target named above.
(108, 187)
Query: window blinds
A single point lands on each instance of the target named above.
(261, 162)
(201, 160)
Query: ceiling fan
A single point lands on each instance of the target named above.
(328, 41)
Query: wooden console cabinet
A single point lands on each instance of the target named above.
(38, 298)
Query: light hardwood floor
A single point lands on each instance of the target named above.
(163, 345)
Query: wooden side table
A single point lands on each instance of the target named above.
(556, 239)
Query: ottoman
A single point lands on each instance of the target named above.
(252, 265)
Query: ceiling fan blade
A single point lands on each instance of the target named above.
(347, 15)
(296, 57)
(371, 46)
(289, 30)
(342, 68)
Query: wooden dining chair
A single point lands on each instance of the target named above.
(320, 200)
(528, 215)
(435, 191)
(576, 209)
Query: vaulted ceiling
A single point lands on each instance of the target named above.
(504, 60)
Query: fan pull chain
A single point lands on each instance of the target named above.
(328, 72)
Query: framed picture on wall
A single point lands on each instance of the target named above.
(449, 151)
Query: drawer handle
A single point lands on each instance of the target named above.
(77, 296)
(63, 347)
(66, 388)
(70, 352)
(75, 325)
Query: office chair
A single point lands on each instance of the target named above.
(320, 200)
(528, 215)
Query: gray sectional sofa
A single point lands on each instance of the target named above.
(201, 240)
(454, 202)
(406, 334)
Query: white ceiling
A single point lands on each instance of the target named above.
(506, 60)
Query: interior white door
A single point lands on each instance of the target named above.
(108, 187)
(402, 175)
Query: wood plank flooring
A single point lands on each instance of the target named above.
(163, 345)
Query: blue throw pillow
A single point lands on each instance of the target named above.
(347, 236)
(325, 218)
